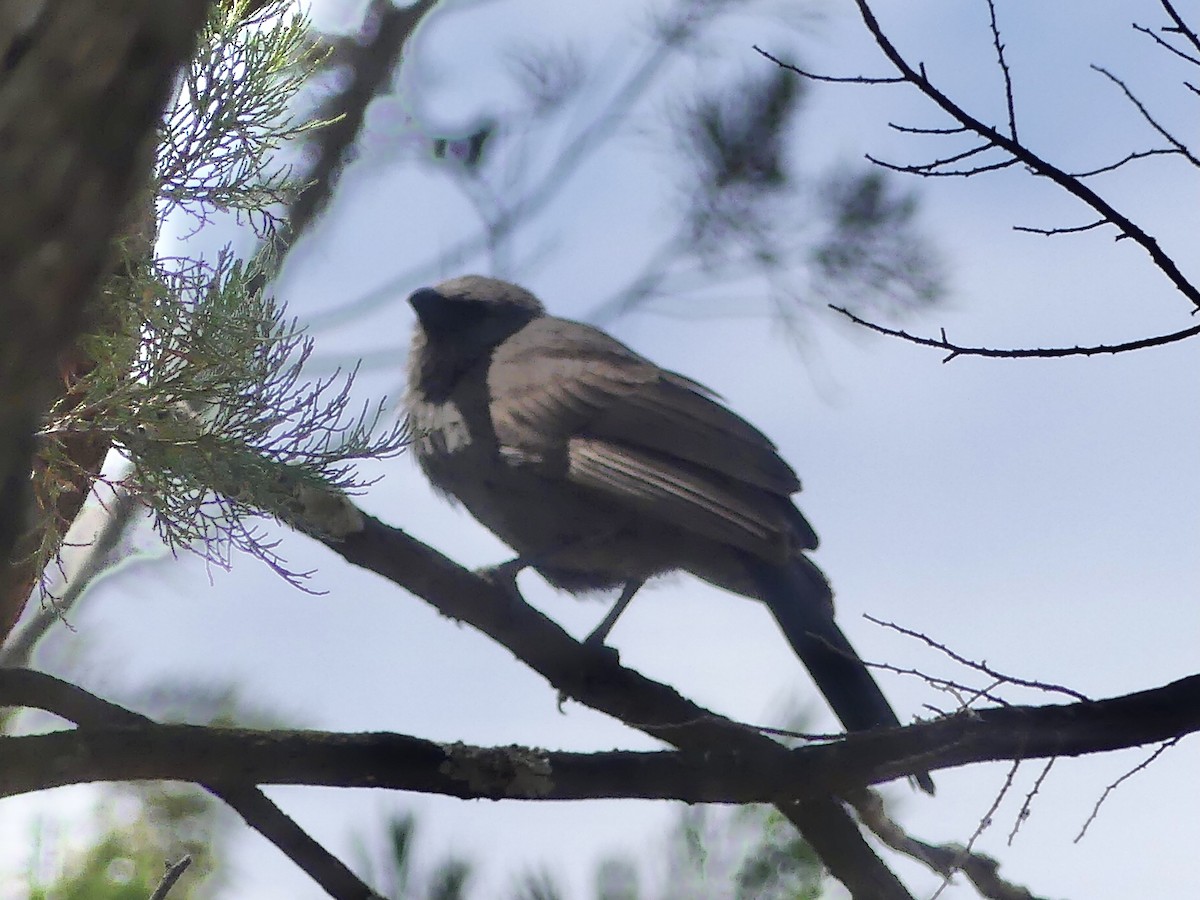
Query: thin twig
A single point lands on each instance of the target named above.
(1063, 229)
(945, 859)
(1130, 157)
(1166, 745)
(371, 62)
(956, 350)
(1181, 27)
(1019, 152)
(925, 170)
(18, 649)
(1024, 812)
(174, 872)
(1179, 146)
(980, 666)
(1166, 45)
(985, 822)
(835, 79)
(1008, 88)
(913, 129)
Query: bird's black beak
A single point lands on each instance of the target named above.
(433, 310)
(424, 301)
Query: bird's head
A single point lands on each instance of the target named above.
(473, 309)
(461, 321)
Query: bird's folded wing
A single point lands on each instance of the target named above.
(683, 495)
(564, 378)
(594, 410)
(678, 417)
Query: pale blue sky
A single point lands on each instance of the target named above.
(1040, 515)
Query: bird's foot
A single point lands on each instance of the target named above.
(593, 643)
(504, 576)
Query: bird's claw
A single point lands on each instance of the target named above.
(504, 576)
(593, 643)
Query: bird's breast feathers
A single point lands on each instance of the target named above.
(439, 429)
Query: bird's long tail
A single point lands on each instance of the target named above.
(801, 601)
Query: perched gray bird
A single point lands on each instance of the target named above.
(601, 470)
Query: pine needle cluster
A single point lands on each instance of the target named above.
(195, 374)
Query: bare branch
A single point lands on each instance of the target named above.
(724, 761)
(595, 678)
(1181, 27)
(1166, 745)
(927, 170)
(591, 676)
(985, 822)
(1003, 63)
(955, 350)
(1021, 153)
(1130, 157)
(127, 750)
(1027, 805)
(1166, 45)
(22, 687)
(957, 157)
(835, 79)
(174, 872)
(1065, 229)
(912, 129)
(370, 63)
(981, 666)
(946, 859)
(1178, 145)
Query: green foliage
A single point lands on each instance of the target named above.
(198, 376)
(538, 885)
(871, 247)
(750, 853)
(127, 859)
(780, 864)
(393, 871)
(449, 880)
(744, 143)
(617, 879)
(216, 415)
(134, 829)
(710, 853)
(218, 143)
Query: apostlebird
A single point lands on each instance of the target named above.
(602, 470)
